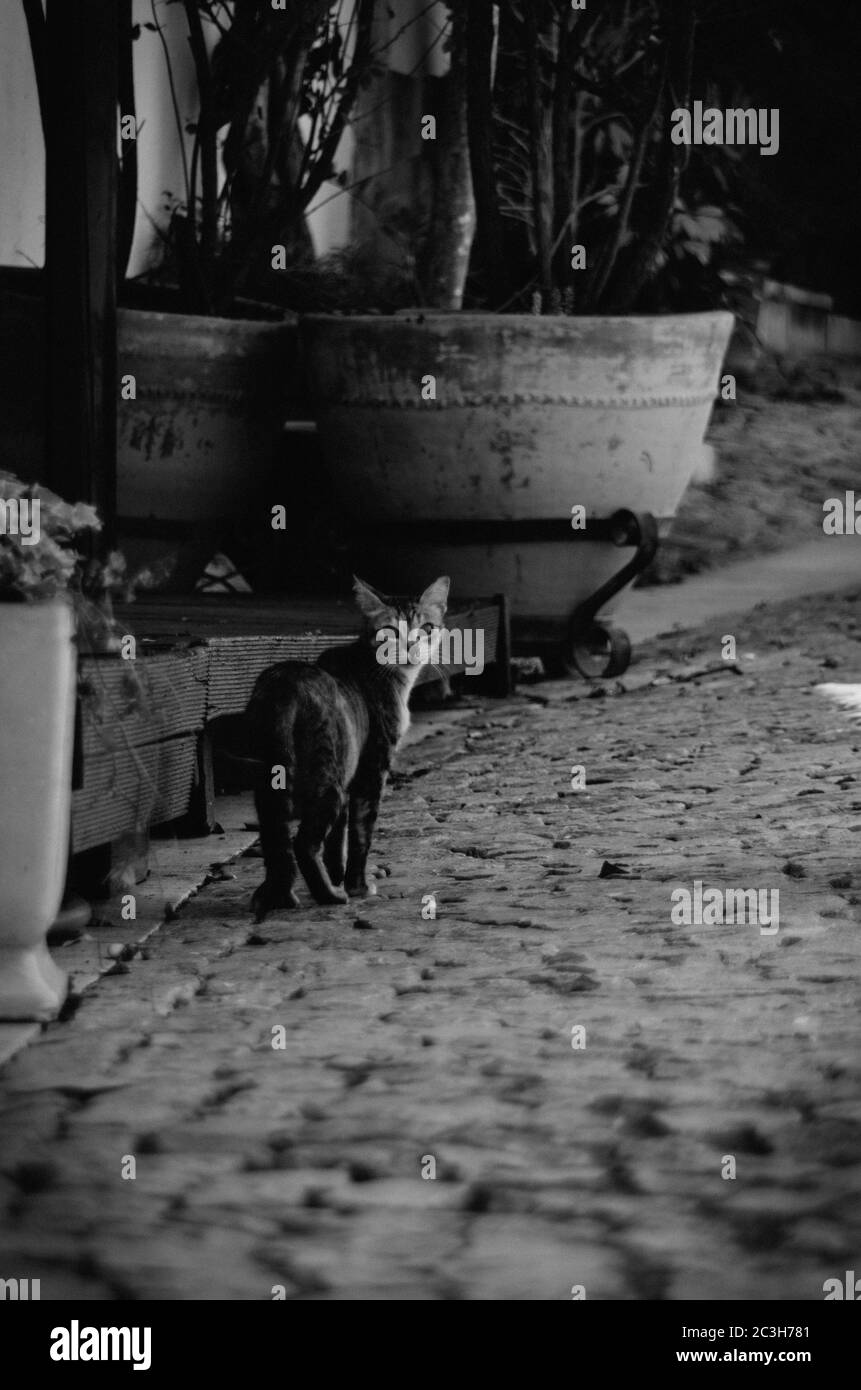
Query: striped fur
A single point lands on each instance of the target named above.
(325, 737)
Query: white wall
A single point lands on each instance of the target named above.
(22, 153)
(22, 156)
(159, 144)
(416, 30)
(413, 28)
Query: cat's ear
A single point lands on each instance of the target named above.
(433, 601)
(376, 609)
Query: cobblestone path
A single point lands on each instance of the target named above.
(415, 1045)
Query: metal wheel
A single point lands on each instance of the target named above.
(600, 650)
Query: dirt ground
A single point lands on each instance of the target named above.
(544, 1085)
(778, 461)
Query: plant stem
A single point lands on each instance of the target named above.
(680, 23)
(127, 192)
(542, 177)
(479, 39)
(207, 144)
(175, 103)
(452, 225)
(332, 139)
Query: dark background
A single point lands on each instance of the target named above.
(801, 209)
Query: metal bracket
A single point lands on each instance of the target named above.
(600, 648)
(590, 647)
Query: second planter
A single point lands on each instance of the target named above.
(460, 443)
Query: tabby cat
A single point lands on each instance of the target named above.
(326, 735)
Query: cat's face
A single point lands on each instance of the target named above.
(413, 623)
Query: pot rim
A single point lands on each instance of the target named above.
(482, 318)
(211, 323)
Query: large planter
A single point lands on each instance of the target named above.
(531, 417)
(199, 427)
(200, 439)
(37, 715)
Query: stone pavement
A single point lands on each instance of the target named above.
(416, 1046)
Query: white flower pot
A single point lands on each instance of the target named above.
(37, 719)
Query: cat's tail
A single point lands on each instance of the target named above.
(271, 743)
(271, 748)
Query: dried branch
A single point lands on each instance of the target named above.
(479, 52)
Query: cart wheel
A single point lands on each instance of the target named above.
(601, 650)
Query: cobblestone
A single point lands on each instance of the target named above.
(412, 1043)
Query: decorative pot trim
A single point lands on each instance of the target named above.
(493, 399)
(234, 396)
(504, 531)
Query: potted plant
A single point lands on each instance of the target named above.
(216, 380)
(40, 573)
(207, 349)
(467, 440)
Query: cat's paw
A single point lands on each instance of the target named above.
(269, 898)
(365, 888)
(337, 895)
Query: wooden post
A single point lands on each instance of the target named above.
(81, 65)
(200, 819)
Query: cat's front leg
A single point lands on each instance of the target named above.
(364, 806)
(335, 852)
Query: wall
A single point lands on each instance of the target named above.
(22, 159)
(382, 148)
(796, 323)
